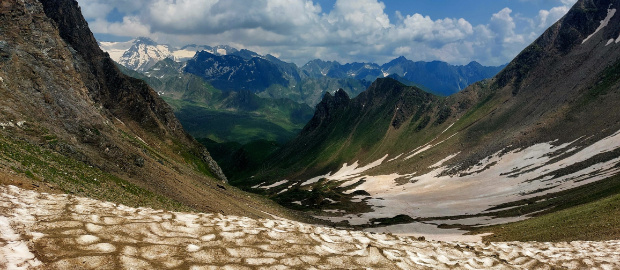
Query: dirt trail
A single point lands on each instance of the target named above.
(50, 231)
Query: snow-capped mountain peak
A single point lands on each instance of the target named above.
(144, 53)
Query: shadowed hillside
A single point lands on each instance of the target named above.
(72, 122)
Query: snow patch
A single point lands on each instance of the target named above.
(181, 55)
(192, 248)
(87, 239)
(19, 124)
(449, 126)
(15, 254)
(499, 178)
(138, 137)
(330, 200)
(428, 231)
(427, 147)
(604, 22)
(441, 162)
(7, 124)
(279, 183)
(315, 179)
(149, 238)
(346, 172)
(116, 49)
(422, 149)
(395, 158)
(358, 198)
(334, 211)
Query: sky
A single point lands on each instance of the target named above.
(491, 32)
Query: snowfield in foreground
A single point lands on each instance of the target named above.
(46, 231)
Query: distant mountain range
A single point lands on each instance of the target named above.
(228, 68)
(142, 53)
(437, 77)
(239, 101)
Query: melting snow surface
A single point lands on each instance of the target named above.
(15, 253)
(395, 158)
(427, 147)
(441, 162)
(497, 179)
(276, 184)
(73, 232)
(604, 22)
(346, 172)
(610, 42)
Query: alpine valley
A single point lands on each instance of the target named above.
(406, 165)
(245, 105)
(540, 139)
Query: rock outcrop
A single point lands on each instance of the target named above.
(65, 102)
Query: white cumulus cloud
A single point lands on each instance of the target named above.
(299, 30)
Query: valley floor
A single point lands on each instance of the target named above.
(57, 231)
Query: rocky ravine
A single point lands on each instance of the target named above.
(48, 231)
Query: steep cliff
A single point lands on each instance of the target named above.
(72, 121)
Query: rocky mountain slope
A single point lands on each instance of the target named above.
(542, 135)
(232, 72)
(72, 122)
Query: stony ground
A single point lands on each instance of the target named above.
(50, 231)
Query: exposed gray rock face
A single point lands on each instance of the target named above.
(213, 166)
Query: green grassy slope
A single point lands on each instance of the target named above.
(346, 130)
(236, 158)
(591, 213)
